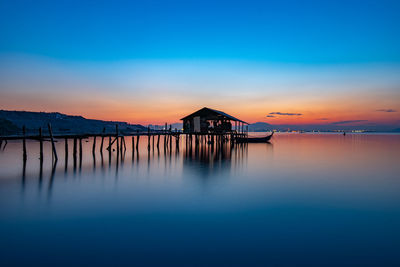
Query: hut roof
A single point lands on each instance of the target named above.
(208, 111)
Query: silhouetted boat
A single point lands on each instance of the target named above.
(254, 139)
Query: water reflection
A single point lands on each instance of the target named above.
(256, 200)
(203, 158)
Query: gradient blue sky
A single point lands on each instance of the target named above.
(337, 59)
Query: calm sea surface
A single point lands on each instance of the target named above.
(303, 199)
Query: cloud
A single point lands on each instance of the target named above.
(323, 119)
(347, 122)
(286, 114)
(271, 116)
(386, 110)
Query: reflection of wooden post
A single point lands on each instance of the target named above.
(52, 142)
(24, 143)
(40, 144)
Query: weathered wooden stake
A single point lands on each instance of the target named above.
(102, 139)
(116, 134)
(94, 144)
(66, 148)
(158, 141)
(165, 136)
(24, 143)
(148, 138)
(74, 153)
(80, 148)
(137, 143)
(40, 144)
(133, 146)
(52, 143)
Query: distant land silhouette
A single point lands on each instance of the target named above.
(11, 122)
(266, 127)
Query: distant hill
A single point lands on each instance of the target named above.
(11, 122)
(7, 127)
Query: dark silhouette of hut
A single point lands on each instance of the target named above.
(207, 120)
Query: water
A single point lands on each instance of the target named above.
(304, 199)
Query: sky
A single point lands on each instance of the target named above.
(281, 62)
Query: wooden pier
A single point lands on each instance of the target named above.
(116, 140)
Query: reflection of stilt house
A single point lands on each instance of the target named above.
(207, 120)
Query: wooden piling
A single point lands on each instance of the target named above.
(80, 148)
(40, 144)
(94, 145)
(148, 138)
(24, 143)
(102, 139)
(75, 148)
(66, 149)
(137, 143)
(158, 141)
(52, 142)
(165, 136)
(116, 136)
(133, 146)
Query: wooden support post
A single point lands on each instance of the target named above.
(52, 143)
(80, 148)
(24, 143)
(80, 154)
(133, 146)
(74, 153)
(170, 137)
(102, 139)
(40, 144)
(148, 138)
(116, 136)
(158, 141)
(137, 143)
(66, 149)
(94, 145)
